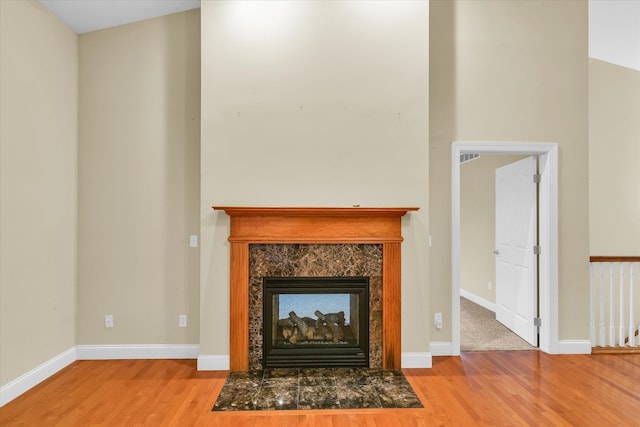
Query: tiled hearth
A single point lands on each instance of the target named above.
(312, 388)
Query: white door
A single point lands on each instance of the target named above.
(516, 236)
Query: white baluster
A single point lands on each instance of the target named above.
(612, 325)
(632, 330)
(621, 317)
(592, 323)
(603, 341)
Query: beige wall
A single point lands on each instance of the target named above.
(139, 181)
(314, 104)
(477, 224)
(512, 71)
(292, 115)
(38, 178)
(614, 159)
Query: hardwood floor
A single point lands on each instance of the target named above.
(480, 388)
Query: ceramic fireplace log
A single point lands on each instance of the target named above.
(333, 322)
(337, 318)
(304, 329)
(328, 327)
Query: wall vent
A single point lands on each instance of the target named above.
(465, 158)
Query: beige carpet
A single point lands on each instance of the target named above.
(480, 331)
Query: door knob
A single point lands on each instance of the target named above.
(497, 252)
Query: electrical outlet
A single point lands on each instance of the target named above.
(193, 241)
(490, 285)
(438, 320)
(182, 320)
(108, 321)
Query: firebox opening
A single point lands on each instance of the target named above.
(316, 321)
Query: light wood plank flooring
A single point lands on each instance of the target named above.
(505, 388)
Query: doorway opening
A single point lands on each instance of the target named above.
(548, 233)
(498, 267)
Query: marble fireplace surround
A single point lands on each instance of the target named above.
(314, 225)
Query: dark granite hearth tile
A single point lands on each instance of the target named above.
(364, 396)
(318, 397)
(385, 399)
(245, 374)
(347, 377)
(244, 379)
(397, 396)
(388, 389)
(280, 377)
(316, 377)
(317, 372)
(387, 376)
(277, 398)
(236, 399)
(281, 372)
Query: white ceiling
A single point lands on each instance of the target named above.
(614, 32)
(84, 16)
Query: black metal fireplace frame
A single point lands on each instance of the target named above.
(326, 355)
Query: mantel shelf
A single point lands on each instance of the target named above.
(355, 211)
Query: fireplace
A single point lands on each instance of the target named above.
(321, 226)
(316, 321)
(288, 263)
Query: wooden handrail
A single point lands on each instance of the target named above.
(614, 259)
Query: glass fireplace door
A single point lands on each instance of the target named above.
(316, 322)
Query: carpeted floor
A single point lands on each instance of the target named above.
(315, 388)
(480, 331)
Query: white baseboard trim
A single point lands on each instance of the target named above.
(574, 347)
(415, 360)
(137, 351)
(444, 348)
(24, 382)
(15, 388)
(213, 362)
(441, 348)
(491, 306)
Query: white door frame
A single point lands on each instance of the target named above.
(548, 232)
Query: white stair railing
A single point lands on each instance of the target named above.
(615, 303)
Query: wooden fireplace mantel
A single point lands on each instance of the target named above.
(312, 211)
(314, 225)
